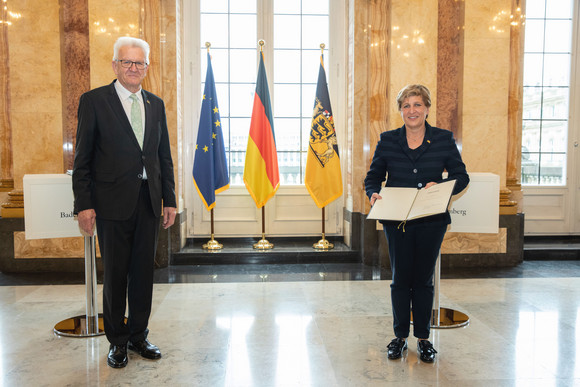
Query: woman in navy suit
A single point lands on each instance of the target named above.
(414, 155)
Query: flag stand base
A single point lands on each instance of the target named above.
(323, 244)
(212, 244)
(263, 244)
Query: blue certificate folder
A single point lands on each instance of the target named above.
(411, 203)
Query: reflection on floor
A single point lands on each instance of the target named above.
(310, 325)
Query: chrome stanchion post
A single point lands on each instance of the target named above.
(91, 323)
(436, 313)
(444, 317)
(91, 286)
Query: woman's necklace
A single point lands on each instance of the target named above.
(416, 138)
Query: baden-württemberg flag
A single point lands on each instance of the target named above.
(323, 177)
(210, 168)
(261, 174)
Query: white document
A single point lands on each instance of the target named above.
(410, 203)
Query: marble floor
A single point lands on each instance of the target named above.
(301, 326)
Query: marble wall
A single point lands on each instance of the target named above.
(390, 43)
(393, 43)
(40, 49)
(35, 89)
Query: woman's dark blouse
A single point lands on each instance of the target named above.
(404, 167)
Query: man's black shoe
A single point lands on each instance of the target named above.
(426, 351)
(145, 349)
(117, 357)
(396, 348)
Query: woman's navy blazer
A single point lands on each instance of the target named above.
(394, 161)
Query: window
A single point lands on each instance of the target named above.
(547, 59)
(298, 28)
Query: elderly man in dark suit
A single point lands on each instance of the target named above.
(122, 178)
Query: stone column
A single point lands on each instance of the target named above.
(511, 199)
(6, 172)
(451, 16)
(75, 69)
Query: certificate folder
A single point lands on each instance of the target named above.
(411, 203)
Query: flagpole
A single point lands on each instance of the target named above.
(323, 244)
(212, 244)
(263, 243)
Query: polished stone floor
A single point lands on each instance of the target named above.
(303, 325)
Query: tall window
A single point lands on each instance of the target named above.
(547, 59)
(299, 27)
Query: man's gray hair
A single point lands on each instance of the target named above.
(133, 42)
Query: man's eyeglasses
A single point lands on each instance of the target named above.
(128, 63)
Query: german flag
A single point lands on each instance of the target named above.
(261, 174)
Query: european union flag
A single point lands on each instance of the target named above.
(210, 168)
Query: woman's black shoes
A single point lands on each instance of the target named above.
(426, 351)
(396, 348)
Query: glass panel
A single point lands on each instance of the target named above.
(241, 100)
(239, 131)
(225, 125)
(533, 69)
(289, 164)
(558, 35)
(530, 136)
(287, 134)
(532, 103)
(555, 103)
(306, 128)
(286, 100)
(244, 33)
(243, 6)
(552, 169)
(237, 160)
(535, 8)
(219, 64)
(557, 70)
(282, 25)
(222, 91)
(303, 157)
(244, 66)
(534, 41)
(287, 6)
(561, 9)
(308, 97)
(314, 31)
(287, 66)
(214, 29)
(319, 7)
(213, 6)
(530, 168)
(554, 136)
(310, 66)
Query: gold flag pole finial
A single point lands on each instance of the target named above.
(207, 45)
(322, 45)
(261, 43)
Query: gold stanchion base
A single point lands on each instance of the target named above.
(263, 244)
(77, 327)
(447, 318)
(212, 245)
(323, 244)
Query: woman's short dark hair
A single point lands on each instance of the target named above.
(414, 90)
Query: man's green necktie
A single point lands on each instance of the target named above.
(136, 121)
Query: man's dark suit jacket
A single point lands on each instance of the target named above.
(108, 163)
